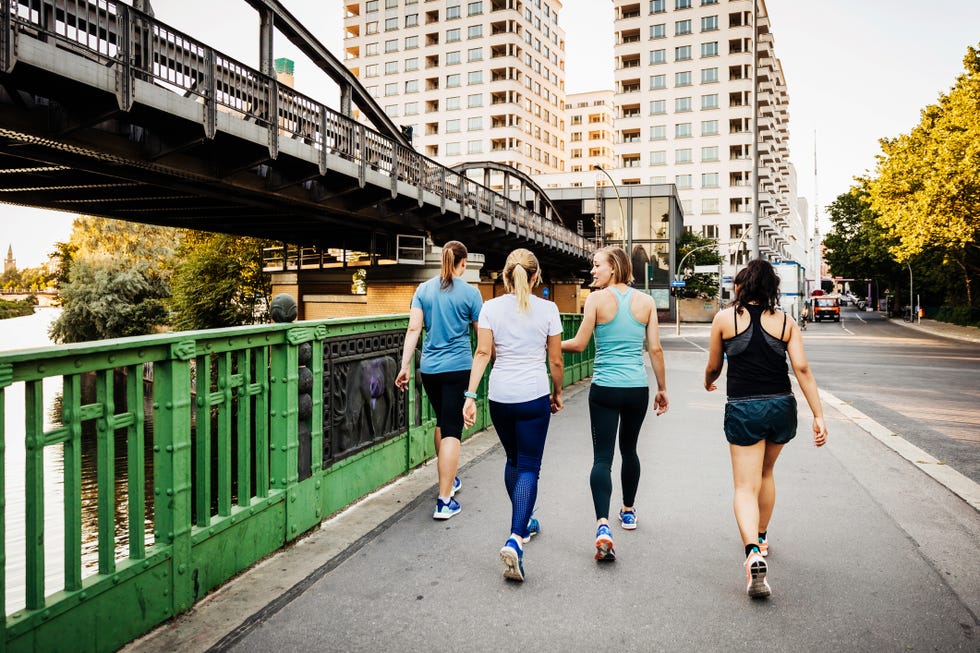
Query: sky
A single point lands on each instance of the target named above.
(856, 72)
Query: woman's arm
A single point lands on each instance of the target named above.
(557, 364)
(415, 322)
(797, 358)
(656, 353)
(481, 358)
(716, 359)
(585, 329)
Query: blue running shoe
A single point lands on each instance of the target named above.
(627, 518)
(445, 510)
(456, 487)
(604, 551)
(533, 528)
(513, 556)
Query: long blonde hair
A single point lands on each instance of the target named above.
(452, 253)
(521, 274)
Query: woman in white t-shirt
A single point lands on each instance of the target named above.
(519, 330)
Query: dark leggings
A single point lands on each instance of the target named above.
(609, 407)
(522, 429)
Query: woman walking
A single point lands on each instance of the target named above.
(519, 329)
(760, 415)
(447, 306)
(623, 320)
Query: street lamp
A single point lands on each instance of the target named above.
(622, 213)
(911, 304)
(680, 266)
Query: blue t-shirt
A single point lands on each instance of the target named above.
(448, 315)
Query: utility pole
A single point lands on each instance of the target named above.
(755, 129)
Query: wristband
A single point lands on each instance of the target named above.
(469, 395)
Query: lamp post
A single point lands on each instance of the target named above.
(755, 130)
(622, 212)
(680, 266)
(911, 304)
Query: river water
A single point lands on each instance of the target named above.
(24, 333)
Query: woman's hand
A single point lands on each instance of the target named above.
(556, 402)
(401, 381)
(469, 411)
(819, 432)
(660, 402)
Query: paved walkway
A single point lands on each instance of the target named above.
(868, 554)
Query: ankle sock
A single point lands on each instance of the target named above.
(443, 499)
(762, 536)
(749, 548)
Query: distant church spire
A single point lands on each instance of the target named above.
(9, 263)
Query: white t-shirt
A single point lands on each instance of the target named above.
(520, 371)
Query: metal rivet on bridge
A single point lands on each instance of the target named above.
(170, 448)
(170, 492)
(78, 363)
(40, 368)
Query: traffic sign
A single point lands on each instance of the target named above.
(678, 284)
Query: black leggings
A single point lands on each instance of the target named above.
(609, 408)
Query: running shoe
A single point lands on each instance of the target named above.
(446, 509)
(756, 569)
(533, 528)
(513, 557)
(604, 544)
(627, 519)
(457, 485)
(764, 546)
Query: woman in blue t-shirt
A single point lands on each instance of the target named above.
(623, 320)
(446, 306)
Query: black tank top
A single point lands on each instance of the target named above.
(756, 360)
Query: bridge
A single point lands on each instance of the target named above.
(105, 110)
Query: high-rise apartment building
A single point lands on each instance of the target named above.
(475, 80)
(685, 115)
(591, 130)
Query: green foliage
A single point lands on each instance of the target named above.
(218, 281)
(17, 307)
(926, 195)
(703, 286)
(116, 279)
(857, 247)
(963, 315)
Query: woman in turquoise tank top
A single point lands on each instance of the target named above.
(623, 320)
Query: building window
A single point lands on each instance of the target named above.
(452, 81)
(682, 78)
(391, 4)
(474, 32)
(391, 68)
(683, 181)
(452, 126)
(658, 158)
(452, 149)
(709, 205)
(371, 6)
(682, 53)
(710, 230)
(474, 147)
(658, 56)
(682, 155)
(709, 75)
(658, 132)
(371, 27)
(682, 104)
(709, 180)
(391, 46)
(709, 127)
(453, 58)
(391, 24)
(474, 124)
(474, 100)
(474, 54)
(453, 35)
(658, 6)
(709, 101)
(452, 12)
(682, 130)
(658, 31)
(682, 27)
(411, 42)
(658, 82)
(412, 86)
(709, 153)
(658, 107)
(411, 108)
(709, 49)
(453, 103)
(709, 23)
(371, 70)
(391, 89)
(411, 64)
(682, 4)
(370, 49)
(474, 77)
(474, 9)
(412, 20)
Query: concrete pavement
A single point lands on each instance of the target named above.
(868, 554)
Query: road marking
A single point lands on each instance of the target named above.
(955, 482)
(696, 345)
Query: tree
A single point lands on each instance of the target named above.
(927, 192)
(218, 281)
(117, 278)
(704, 286)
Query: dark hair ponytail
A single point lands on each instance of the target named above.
(452, 253)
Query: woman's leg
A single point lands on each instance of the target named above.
(747, 463)
(767, 491)
(635, 403)
(531, 429)
(604, 415)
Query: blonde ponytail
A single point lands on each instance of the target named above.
(521, 274)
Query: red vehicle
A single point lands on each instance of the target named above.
(826, 307)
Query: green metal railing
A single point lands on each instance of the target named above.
(218, 414)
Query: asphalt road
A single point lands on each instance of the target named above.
(925, 388)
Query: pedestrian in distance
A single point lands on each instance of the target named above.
(623, 320)
(760, 414)
(446, 306)
(519, 331)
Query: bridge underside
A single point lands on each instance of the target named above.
(66, 145)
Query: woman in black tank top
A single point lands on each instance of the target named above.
(760, 415)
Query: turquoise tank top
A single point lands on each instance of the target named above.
(619, 348)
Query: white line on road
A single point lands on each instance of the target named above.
(945, 475)
(696, 345)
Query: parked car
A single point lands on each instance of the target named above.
(826, 307)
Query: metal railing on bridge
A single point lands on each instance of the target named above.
(138, 47)
(169, 463)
